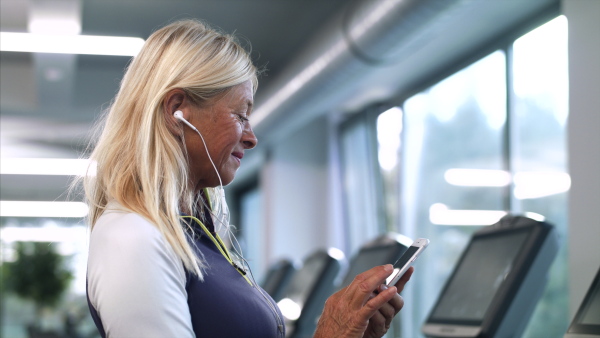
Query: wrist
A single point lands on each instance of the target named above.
(324, 330)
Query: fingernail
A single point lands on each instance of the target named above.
(388, 267)
(383, 287)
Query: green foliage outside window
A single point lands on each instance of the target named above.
(38, 274)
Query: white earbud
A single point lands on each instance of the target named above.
(179, 115)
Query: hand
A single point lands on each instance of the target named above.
(380, 323)
(357, 311)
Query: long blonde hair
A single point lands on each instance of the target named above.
(141, 164)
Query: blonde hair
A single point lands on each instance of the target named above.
(141, 164)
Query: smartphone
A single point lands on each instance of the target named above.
(404, 262)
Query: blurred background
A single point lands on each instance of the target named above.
(429, 118)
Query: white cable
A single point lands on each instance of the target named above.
(178, 115)
(224, 211)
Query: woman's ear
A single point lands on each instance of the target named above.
(174, 101)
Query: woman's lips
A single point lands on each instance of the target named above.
(238, 156)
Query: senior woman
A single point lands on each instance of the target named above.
(175, 134)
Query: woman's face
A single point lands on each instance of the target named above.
(224, 124)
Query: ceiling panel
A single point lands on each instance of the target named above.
(48, 103)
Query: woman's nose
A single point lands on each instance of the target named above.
(248, 138)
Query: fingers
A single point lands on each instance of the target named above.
(378, 325)
(395, 304)
(361, 288)
(404, 279)
(388, 310)
(377, 302)
(381, 321)
(363, 308)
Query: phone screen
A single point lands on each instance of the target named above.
(405, 258)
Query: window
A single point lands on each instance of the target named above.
(487, 140)
(539, 159)
(452, 129)
(250, 230)
(361, 189)
(44, 259)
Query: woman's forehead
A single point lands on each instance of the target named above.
(241, 94)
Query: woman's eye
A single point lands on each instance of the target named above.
(242, 118)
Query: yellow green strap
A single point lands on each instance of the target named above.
(220, 245)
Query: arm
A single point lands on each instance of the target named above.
(136, 282)
(356, 311)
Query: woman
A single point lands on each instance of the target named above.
(174, 136)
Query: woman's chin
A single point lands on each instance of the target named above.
(228, 180)
(227, 177)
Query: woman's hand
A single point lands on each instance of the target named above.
(365, 308)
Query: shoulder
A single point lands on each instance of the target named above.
(123, 226)
(120, 234)
(125, 232)
(136, 282)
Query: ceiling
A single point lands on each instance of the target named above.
(48, 101)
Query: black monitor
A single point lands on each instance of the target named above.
(277, 278)
(305, 295)
(385, 249)
(497, 282)
(586, 323)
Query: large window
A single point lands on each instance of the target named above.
(43, 278)
(485, 141)
(250, 229)
(362, 200)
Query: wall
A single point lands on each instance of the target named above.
(584, 144)
(295, 183)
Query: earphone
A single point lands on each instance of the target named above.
(179, 115)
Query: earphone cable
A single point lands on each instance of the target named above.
(222, 217)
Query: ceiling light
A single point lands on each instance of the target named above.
(538, 184)
(47, 166)
(55, 234)
(42, 209)
(441, 215)
(70, 44)
(63, 26)
(477, 177)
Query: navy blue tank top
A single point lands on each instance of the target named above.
(224, 304)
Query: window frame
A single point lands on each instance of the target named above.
(503, 43)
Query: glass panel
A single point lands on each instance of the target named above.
(44, 262)
(539, 155)
(453, 175)
(252, 230)
(359, 185)
(389, 129)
